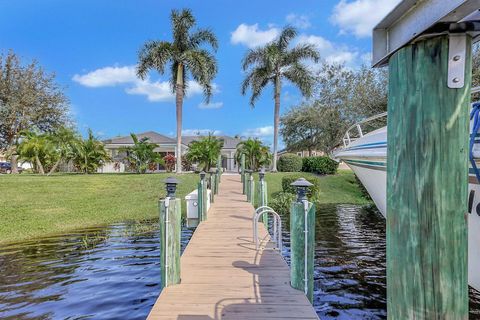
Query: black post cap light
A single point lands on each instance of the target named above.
(301, 185)
(212, 171)
(202, 175)
(261, 174)
(171, 186)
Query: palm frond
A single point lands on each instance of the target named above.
(182, 22)
(287, 34)
(256, 80)
(203, 68)
(302, 77)
(153, 55)
(252, 57)
(301, 52)
(201, 36)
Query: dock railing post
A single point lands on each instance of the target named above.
(202, 200)
(219, 167)
(427, 180)
(251, 189)
(262, 195)
(212, 184)
(246, 184)
(242, 173)
(302, 242)
(217, 180)
(170, 232)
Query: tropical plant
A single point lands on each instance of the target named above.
(256, 154)
(274, 63)
(185, 56)
(36, 149)
(63, 141)
(46, 151)
(142, 156)
(89, 154)
(169, 161)
(205, 151)
(29, 98)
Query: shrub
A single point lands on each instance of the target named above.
(289, 162)
(281, 202)
(319, 165)
(313, 190)
(169, 162)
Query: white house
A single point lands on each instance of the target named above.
(166, 145)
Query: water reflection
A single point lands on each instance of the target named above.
(100, 273)
(350, 264)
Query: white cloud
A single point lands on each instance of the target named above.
(299, 21)
(107, 77)
(211, 105)
(200, 132)
(330, 51)
(126, 76)
(251, 36)
(259, 132)
(360, 16)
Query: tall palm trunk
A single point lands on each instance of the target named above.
(276, 121)
(179, 106)
(55, 166)
(39, 165)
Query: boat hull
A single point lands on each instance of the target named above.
(367, 159)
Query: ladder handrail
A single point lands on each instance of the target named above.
(277, 224)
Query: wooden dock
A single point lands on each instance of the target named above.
(224, 277)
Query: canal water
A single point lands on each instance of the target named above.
(113, 272)
(97, 273)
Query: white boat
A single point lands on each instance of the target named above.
(366, 155)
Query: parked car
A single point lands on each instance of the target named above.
(6, 167)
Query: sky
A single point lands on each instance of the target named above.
(92, 46)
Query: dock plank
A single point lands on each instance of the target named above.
(224, 276)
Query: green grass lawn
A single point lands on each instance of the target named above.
(33, 205)
(339, 188)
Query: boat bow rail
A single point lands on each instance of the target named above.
(357, 130)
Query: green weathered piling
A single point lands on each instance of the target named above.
(251, 189)
(297, 245)
(242, 173)
(427, 181)
(170, 222)
(246, 184)
(219, 167)
(262, 198)
(217, 180)
(212, 188)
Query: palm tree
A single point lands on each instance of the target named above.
(256, 154)
(142, 154)
(89, 154)
(273, 63)
(34, 149)
(205, 151)
(185, 56)
(63, 141)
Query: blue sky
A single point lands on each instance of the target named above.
(92, 47)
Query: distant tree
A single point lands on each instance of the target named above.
(205, 151)
(63, 141)
(256, 154)
(89, 154)
(29, 100)
(142, 156)
(184, 55)
(301, 128)
(274, 63)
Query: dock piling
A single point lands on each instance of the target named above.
(302, 242)
(262, 195)
(427, 180)
(202, 199)
(242, 173)
(170, 222)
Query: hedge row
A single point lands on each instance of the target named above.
(290, 162)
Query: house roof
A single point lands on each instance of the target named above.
(228, 142)
(152, 136)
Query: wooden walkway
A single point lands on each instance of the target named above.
(224, 277)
